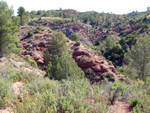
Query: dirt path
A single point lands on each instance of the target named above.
(120, 107)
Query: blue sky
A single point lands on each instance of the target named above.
(114, 6)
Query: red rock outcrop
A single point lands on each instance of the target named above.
(87, 59)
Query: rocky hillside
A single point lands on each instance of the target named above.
(86, 59)
(35, 43)
(92, 33)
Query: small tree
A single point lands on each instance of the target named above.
(138, 59)
(64, 67)
(61, 63)
(23, 16)
(58, 44)
(74, 37)
(109, 42)
(115, 54)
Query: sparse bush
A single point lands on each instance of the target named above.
(134, 102)
(110, 77)
(56, 27)
(38, 29)
(28, 59)
(30, 33)
(74, 37)
(5, 91)
(114, 95)
(65, 96)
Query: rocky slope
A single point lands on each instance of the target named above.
(13, 66)
(92, 64)
(95, 67)
(35, 44)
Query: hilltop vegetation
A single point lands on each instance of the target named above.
(64, 61)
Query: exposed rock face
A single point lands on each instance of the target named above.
(87, 59)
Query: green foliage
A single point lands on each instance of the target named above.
(5, 91)
(58, 45)
(107, 44)
(38, 28)
(56, 28)
(112, 50)
(115, 54)
(138, 96)
(110, 77)
(148, 80)
(21, 75)
(8, 29)
(137, 109)
(134, 102)
(44, 95)
(74, 37)
(90, 74)
(138, 59)
(23, 16)
(28, 59)
(64, 67)
(15, 77)
(30, 33)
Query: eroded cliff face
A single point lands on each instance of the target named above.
(96, 68)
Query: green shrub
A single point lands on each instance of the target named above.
(5, 91)
(56, 27)
(43, 95)
(138, 109)
(39, 85)
(38, 28)
(30, 33)
(28, 59)
(15, 77)
(74, 37)
(64, 67)
(148, 80)
(134, 102)
(110, 77)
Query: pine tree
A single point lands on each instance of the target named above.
(138, 58)
(58, 45)
(74, 37)
(64, 67)
(23, 16)
(8, 28)
(61, 64)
